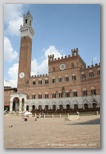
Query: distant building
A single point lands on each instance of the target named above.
(8, 90)
(68, 86)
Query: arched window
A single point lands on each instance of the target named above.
(54, 107)
(74, 93)
(46, 107)
(46, 95)
(53, 80)
(33, 107)
(33, 96)
(73, 77)
(26, 21)
(83, 76)
(59, 79)
(67, 106)
(34, 82)
(61, 107)
(91, 74)
(60, 94)
(93, 91)
(94, 104)
(86, 107)
(75, 107)
(46, 81)
(40, 81)
(84, 92)
(54, 94)
(67, 93)
(66, 78)
(39, 96)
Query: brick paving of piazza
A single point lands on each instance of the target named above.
(52, 132)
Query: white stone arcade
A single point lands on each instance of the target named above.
(20, 103)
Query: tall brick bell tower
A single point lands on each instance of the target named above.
(27, 32)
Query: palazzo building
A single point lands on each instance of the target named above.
(70, 85)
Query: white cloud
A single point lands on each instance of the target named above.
(12, 12)
(39, 68)
(13, 71)
(9, 53)
(13, 83)
(13, 27)
(52, 50)
(13, 74)
(13, 18)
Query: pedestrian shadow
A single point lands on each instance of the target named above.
(90, 122)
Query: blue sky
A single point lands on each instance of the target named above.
(58, 29)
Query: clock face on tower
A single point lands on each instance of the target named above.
(62, 66)
(21, 75)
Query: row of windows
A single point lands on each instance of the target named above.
(60, 95)
(94, 105)
(91, 75)
(83, 76)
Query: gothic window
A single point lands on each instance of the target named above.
(67, 106)
(46, 107)
(34, 82)
(33, 107)
(93, 91)
(60, 95)
(54, 107)
(73, 77)
(86, 107)
(74, 93)
(83, 75)
(53, 95)
(26, 21)
(33, 96)
(53, 80)
(59, 79)
(46, 81)
(84, 92)
(39, 96)
(66, 78)
(61, 107)
(46, 95)
(75, 107)
(91, 74)
(67, 94)
(94, 105)
(40, 81)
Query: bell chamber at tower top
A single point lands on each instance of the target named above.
(26, 29)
